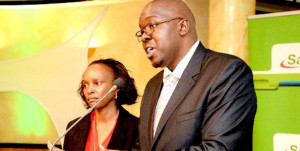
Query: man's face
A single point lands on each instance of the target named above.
(161, 46)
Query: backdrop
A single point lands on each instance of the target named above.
(44, 50)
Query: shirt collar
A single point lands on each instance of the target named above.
(177, 72)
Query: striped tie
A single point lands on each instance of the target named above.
(168, 88)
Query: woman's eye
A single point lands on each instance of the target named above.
(85, 85)
(98, 83)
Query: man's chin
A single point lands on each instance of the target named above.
(157, 64)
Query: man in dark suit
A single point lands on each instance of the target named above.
(210, 105)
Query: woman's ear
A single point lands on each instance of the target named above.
(116, 93)
(184, 27)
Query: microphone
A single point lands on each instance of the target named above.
(117, 84)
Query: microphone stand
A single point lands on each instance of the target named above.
(89, 111)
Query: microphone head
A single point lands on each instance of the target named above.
(119, 83)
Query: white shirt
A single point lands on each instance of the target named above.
(182, 64)
(168, 93)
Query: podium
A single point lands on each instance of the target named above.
(274, 56)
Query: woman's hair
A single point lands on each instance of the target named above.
(127, 94)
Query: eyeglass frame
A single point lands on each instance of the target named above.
(152, 26)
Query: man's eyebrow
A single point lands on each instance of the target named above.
(149, 17)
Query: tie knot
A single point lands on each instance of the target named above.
(170, 80)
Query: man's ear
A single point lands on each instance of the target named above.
(184, 27)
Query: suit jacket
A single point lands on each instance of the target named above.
(212, 107)
(124, 136)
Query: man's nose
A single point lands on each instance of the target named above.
(145, 37)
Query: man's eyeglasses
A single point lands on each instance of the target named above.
(149, 29)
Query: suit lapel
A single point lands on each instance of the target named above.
(82, 127)
(119, 133)
(185, 83)
(151, 104)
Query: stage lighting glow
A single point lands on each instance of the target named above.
(26, 120)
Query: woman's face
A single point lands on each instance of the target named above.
(97, 80)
